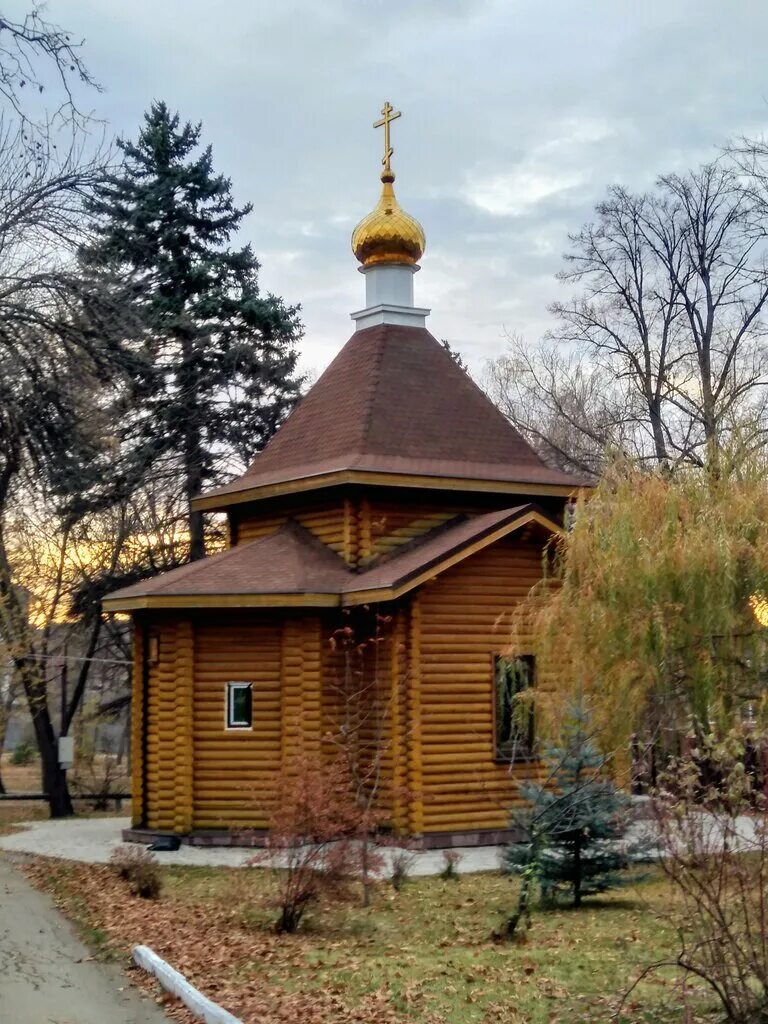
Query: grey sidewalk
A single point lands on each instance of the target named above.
(92, 841)
(45, 974)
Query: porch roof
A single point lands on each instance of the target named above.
(291, 567)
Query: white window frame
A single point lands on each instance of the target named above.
(229, 724)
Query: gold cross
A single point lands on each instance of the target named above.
(389, 114)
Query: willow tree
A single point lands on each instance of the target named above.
(654, 608)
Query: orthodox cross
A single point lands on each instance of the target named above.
(389, 114)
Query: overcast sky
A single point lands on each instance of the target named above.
(516, 116)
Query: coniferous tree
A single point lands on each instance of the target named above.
(573, 823)
(224, 354)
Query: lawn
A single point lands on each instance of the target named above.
(423, 955)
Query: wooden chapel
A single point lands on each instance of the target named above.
(395, 491)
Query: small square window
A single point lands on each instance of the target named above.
(515, 736)
(239, 706)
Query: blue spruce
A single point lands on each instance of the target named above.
(573, 823)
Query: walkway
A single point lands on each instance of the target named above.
(46, 976)
(92, 840)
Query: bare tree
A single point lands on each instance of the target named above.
(361, 694)
(627, 315)
(569, 408)
(64, 372)
(33, 53)
(9, 695)
(660, 350)
(709, 236)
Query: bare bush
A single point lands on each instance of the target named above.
(99, 777)
(316, 835)
(713, 838)
(451, 861)
(402, 861)
(137, 866)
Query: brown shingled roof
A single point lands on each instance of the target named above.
(291, 566)
(440, 544)
(290, 561)
(394, 401)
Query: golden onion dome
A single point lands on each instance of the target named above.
(388, 234)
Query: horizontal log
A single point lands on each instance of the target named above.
(462, 786)
(472, 729)
(214, 676)
(209, 699)
(236, 800)
(211, 782)
(225, 816)
(245, 758)
(461, 759)
(237, 740)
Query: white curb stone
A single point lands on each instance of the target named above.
(178, 986)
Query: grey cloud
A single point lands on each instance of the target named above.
(517, 115)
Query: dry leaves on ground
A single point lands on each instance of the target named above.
(219, 956)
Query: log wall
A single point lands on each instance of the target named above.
(137, 725)
(436, 676)
(463, 623)
(394, 523)
(199, 774)
(165, 639)
(325, 520)
(301, 704)
(234, 769)
(356, 527)
(361, 700)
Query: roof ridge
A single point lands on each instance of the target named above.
(490, 403)
(373, 382)
(415, 542)
(294, 526)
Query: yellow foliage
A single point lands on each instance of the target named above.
(658, 612)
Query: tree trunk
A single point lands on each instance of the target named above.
(657, 428)
(71, 709)
(196, 536)
(193, 476)
(3, 734)
(54, 776)
(15, 628)
(523, 912)
(365, 872)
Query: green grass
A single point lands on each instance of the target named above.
(429, 949)
(426, 952)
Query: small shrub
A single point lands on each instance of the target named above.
(23, 754)
(574, 824)
(402, 862)
(713, 838)
(451, 861)
(316, 839)
(137, 866)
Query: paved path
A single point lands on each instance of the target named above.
(45, 976)
(92, 840)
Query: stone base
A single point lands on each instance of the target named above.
(473, 837)
(243, 838)
(258, 838)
